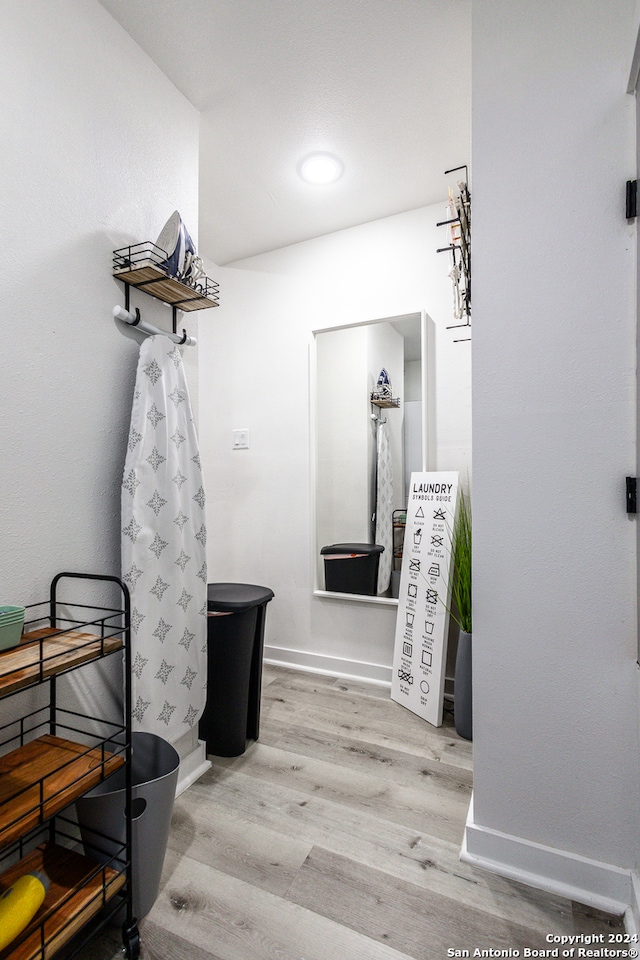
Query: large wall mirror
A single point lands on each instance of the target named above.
(356, 442)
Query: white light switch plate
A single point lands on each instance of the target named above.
(241, 439)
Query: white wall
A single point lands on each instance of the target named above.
(555, 734)
(255, 374)
(98, 148)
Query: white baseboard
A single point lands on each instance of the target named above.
(632, 913)
(375, 673)
(595, 884)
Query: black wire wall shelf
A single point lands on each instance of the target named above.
(140, 265)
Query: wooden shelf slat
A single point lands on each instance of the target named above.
(20, 666)
(74, 896)
(50, 769)
(154, 281)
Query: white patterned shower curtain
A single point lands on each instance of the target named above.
(384, 506)
(163, 547)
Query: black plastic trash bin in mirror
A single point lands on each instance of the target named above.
(154, 771)
(352, 567)
(235, 642)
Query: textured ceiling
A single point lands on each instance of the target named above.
(384, 84)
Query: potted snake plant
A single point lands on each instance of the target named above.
(461, 613)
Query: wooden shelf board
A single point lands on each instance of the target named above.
(20, 666)
(62, 769)
(170, 290)
(72, 899)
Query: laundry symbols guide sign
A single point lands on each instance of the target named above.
(420, 651)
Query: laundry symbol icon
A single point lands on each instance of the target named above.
(434, 570)
(405, 676)
(436, 541)
(419, 512)
(427, 659)
(432, 596)
(407, 649)
(439, 514)
(424, 686)
(410, 617)
(428, 626)
(417, 536)
(414, 565)
(413, 590)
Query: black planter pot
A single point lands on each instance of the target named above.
(462, 693)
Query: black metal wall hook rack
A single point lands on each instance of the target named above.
(134, 319)
(143, 266)
(183, 339)
(444, 223)
(460, 252)
(137, 322)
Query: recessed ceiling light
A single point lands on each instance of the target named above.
(320, 168)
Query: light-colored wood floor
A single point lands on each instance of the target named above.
(336, 837)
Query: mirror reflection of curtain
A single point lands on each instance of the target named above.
(384, 506)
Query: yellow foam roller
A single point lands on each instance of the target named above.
(20, 903)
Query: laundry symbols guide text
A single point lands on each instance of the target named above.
(422, 625)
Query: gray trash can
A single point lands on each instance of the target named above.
(100, 812)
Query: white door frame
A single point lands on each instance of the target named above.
(633, 89)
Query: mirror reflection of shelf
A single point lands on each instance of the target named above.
(386, 403)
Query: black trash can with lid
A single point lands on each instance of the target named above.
(352, 567)
(236, 614)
